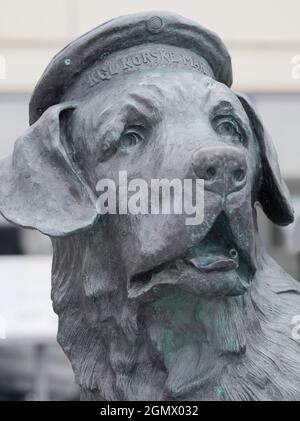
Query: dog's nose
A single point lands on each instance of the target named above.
(224, 168)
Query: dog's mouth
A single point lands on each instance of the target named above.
(216, 265)
(216, 252)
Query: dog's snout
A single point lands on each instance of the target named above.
(223, 168)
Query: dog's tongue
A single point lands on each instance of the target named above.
(213, 258)
(211, 263)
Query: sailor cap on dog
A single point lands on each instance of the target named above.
(127, 44)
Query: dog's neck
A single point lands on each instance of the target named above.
(205, 331)
(216, 322)
(219, 323)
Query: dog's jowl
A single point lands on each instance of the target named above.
(150, 307)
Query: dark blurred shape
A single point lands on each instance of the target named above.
(10, 240)
(277, 236)
(11, 395)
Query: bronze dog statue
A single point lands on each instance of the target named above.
(150, 308)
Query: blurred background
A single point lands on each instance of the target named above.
(263, 38)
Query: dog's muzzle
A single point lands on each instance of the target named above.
(222, 261)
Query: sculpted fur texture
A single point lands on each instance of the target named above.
(182, 347)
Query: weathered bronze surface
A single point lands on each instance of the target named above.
(150, 308)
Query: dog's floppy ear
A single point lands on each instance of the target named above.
(273, 193)
(40, 187)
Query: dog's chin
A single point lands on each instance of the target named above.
(213, 267)
(206, 282)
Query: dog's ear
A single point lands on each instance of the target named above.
(40, 187)
(273, 193)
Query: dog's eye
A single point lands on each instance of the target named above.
(229, 128)
(129, 140)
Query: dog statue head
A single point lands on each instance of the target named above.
(149, 307)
